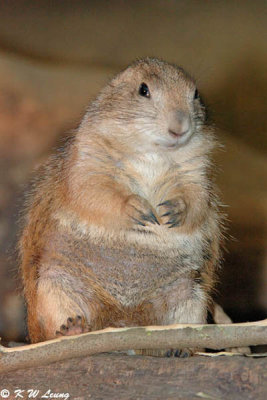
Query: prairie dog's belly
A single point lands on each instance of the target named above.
(128, 272)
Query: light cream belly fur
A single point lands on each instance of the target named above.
(147, 170)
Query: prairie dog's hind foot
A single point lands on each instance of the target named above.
(73, 326)
(180, 353)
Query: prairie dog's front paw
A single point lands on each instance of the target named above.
(173, 212)
(138, 211)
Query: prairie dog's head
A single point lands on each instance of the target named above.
(150, 105)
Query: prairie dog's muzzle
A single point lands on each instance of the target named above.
(179, 123)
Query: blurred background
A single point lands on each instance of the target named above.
(56, 55)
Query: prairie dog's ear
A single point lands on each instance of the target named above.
(126, 75)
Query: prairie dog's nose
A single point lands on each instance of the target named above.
(179, 123)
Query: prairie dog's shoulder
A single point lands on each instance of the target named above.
(45, 190)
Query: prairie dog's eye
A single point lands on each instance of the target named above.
(196, 94)
(143, 90)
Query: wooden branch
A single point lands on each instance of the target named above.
(220, 317)
(150, 337)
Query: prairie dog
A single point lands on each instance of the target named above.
(122, 226)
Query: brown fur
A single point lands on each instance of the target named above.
(96, 242)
